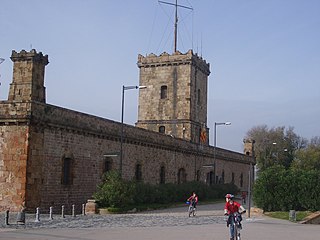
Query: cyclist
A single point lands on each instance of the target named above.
(230, 208)
(193, 199)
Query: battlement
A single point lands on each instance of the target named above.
(177, 58)
(33, 56)
(28, 76)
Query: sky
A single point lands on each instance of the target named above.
(264, 56)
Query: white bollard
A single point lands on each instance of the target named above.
(51, 213)
(37, 215)
(62, 211)
(73, 211)
(83, 209)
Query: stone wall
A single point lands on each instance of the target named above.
(33, 148)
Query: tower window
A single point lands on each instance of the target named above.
(199, 97)
(162, 129)
(164, 92)
(241, 180)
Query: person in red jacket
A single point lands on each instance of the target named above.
(193, 199)
(231, 207)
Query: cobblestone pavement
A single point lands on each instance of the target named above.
(206, 214)
(169, 224)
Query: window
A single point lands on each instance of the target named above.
(241, 180)
(199, 135)
(162, 129)
(138, 173)
(199, 97)
(210, 178)
(66, 171)
(222, 177)
(232, 178)
(162, 175)
(164, 92)
(181, 176)
(107, 165)
(198, 175)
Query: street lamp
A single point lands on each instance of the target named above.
(124, 88)
(215, 143)
(215, 130)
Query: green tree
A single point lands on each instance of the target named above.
(309, 157)
(275, 146)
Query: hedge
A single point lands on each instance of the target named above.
(278, 189)
(117, 193)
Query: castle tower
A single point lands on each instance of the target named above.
(28, 76)
(249, 147)
(175, 101)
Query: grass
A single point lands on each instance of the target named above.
(300, 215)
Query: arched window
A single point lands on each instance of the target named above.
(66, 178)
(198, 175)
(162, 175)
(164, 92)
(210, 177)
(138, 173)
(232, 178)
(162, 129)
(181, 176)
(222, 177)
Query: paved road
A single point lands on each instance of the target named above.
(157, 225)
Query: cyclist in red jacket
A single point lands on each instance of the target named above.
(193, 199)
(231, 207)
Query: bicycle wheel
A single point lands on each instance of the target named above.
(190, 210)
(237, 232)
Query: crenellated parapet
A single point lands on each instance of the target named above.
(175, 59)
(33, 56)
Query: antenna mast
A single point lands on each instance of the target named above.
(176, 21)
(1, 61)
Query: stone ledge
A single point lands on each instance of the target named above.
(314, 218)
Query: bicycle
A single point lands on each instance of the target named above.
(191, 209)
(236, 224)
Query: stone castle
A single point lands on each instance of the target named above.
(52, 156)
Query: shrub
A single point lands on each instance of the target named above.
(114, 192)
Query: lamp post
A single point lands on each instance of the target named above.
(124, 88)
(215, 143)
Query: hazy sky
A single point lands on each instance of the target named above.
(264, 56)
